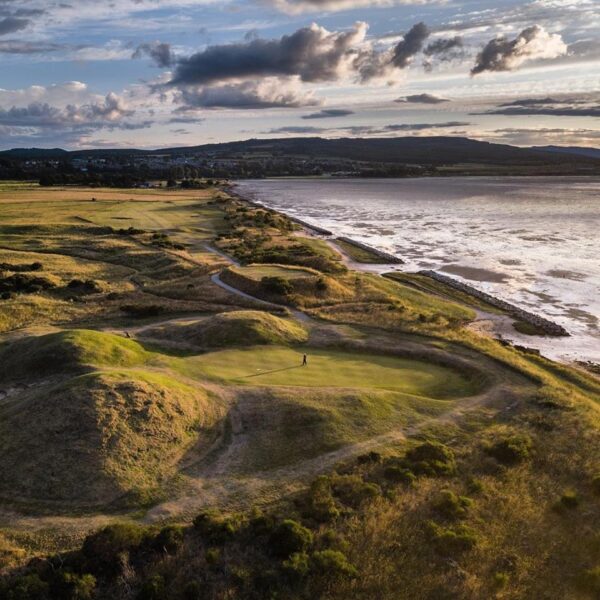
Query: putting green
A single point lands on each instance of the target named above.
(268, 365)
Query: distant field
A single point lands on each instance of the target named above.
(263, 365)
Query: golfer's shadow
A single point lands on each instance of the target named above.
(273, 371)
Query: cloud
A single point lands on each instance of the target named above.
(108, 113)
(369, 130)
(312, 53)
(444, 46)
(12, 24)
(533, 43)
(546, 136)
(267, 93)
(159, 52)
(411, 44)
(16, 47)
(295, 7)
(298, 130)
(586, 106)
(422, 99)
(328, 113)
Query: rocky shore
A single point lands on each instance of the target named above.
(543, 324)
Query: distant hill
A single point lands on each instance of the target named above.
(578, 150)
(434, 151)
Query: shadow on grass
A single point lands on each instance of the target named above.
(273, 371)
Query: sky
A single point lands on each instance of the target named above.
(156, 73)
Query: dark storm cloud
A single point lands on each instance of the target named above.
(12, 24)
(444, 46)
(159, 52)
(327, 113)
(311, 53)
(422, 99)
(412, 44)
(502, 54)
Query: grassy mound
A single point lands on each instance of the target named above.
(238, 328)
(67, 351)
(99, 437)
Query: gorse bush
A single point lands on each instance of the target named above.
(511, 450)
(431, 458)
(289, 537)
(333, 563)
(451, 541)
(276, 285)
(452, 506)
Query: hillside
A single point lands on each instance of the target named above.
(434, 150)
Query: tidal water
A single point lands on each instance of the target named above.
(533, 241)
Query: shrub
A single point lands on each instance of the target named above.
(153, 589)
(450, 541)
(142, 310)
(501, 580)
(569, 499)
(296, 566)
(596, 484)
(511, 450)
(369, 457)
(192, 591)
(69, 586)
(319, 503)
(105, 548)
(169, 539)
(290, 537)
(431, 458)
(589, 581)
(89, 286)
(332, 563)
(452, 506)
(353, 491)
(214, 529)
(399, 474)
(276, 285)
(28, 587)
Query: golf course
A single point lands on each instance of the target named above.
(157, 412)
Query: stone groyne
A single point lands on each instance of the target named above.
(386, 256)
(545, 325)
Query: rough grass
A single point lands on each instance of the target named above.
(67, 351)
(281, 366)
(99, 437)
(236, 328)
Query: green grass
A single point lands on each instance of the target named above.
(360, 254)
(280, 366)
(257, 272)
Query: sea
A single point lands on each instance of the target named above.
(533, 241)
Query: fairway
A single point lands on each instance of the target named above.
(279, 366)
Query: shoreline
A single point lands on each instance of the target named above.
(486, 323)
